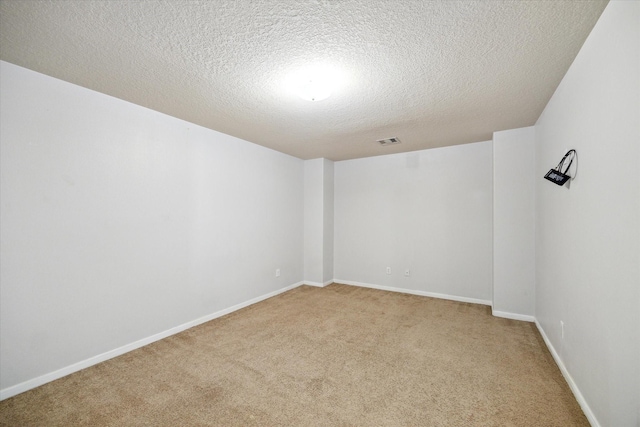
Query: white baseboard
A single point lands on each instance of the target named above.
(513, 316)
(572, 385)
(415, 292)
(317, 284)
(46, 378)
(41, 380)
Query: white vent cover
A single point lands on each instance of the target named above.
(389, 141)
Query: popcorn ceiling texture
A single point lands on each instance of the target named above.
(433, 73)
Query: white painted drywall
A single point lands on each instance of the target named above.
(588, 234)
(427, 211)
(118, 222)
(318, 221)
(328, 213)
(514, 223)
(313, 220)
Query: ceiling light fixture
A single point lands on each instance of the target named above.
(315, 90)
(314, 82)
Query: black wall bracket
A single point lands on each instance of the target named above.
(558, 175)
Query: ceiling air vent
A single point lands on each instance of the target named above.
(389, 141)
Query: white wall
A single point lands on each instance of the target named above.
(118, 223)
(514, 223)
(588, 235)
(427, 211)
(313, 220)
(328, 215)
(318, 221)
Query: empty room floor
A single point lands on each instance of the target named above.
(334, 356)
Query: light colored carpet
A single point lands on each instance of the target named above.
(336, 356)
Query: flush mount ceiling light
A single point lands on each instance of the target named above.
(314, 82)
(315, 90)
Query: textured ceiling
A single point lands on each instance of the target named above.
(432, 73)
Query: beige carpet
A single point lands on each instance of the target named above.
(338, 356)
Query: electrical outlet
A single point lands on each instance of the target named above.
(407, 272)
(277, 272)
(388, 270)
(561, 329)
